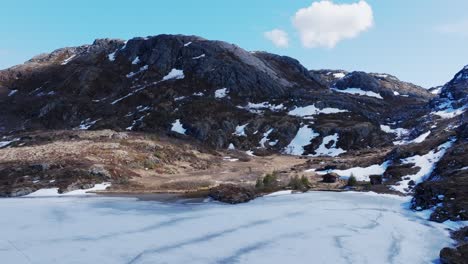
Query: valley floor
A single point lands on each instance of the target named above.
(318, 227)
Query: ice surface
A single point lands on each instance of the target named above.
(359, 91)
(177, 127)
(302, 139)
(326, 228)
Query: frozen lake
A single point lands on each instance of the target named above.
(316, 227)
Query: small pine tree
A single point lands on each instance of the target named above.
(295, 183)
(305, 181)
(352, 180)
(259, 185)
(270, 180)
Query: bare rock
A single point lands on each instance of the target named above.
(232, 194)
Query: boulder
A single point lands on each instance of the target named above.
(232, 194)
(457, 255)
(330, 177)
(375, 179)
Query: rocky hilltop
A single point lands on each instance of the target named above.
(178, 113)
(216, 92)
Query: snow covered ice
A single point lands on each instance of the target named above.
(316, 227)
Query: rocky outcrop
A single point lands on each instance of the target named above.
(457, 255)
(232, 194)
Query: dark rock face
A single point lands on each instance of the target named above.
(375, 179)
(232, 194)
(330, 177)
(134, 85)
(457, 255)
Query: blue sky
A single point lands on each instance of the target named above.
(422, 41)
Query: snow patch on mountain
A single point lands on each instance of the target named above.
(142, 69)
(221, 93)
(178, 127)
(426, 164)
(417, 140)
(6, 143)
(303, 138)
(338, 75)
(65, 62)
(88, 123)
(450, 112)
(240, 130)
(136, 60)
(199, 57)
(174, 74)
(331, 151)
(358, 91)
(258, 108)
(12, 92)
(111, 56)
(311, 110)
(361, 174)
(265, 139)
(399, 132)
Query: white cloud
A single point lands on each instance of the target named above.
(278, 37)
(324, 23)
(459, 28)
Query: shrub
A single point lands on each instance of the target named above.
(352, 180)
(305, 181)
(259, 184)
(297, 183)
(270, 180)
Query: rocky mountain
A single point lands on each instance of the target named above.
(214, 92)
(225, 98)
